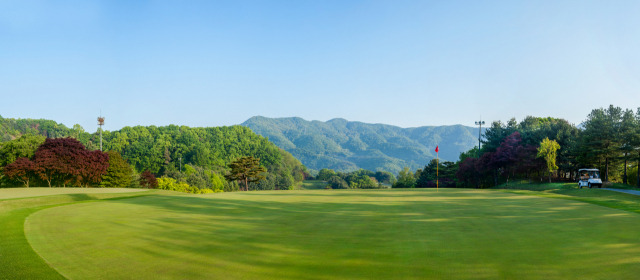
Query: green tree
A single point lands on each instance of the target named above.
(629, 138)
(217, 182)
(601, 136)
(495, 134)
(336, 182)
(246, 170)
(385, 177)
(548, 150)
(119, 173)
(25, 146)
(636, 143)
(325, 174)
(406, 179)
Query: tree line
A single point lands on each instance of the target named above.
(359, 179)
(538, 149)
(62, 162)
(199, 158)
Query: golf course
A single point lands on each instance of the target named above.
(319, 234)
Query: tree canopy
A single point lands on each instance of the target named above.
(246, 170)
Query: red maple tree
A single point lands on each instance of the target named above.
(22, 170)
(66, 160)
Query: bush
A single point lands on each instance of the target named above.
(336, 182)
(632, 176)
(170, 184)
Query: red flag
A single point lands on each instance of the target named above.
(437, 149)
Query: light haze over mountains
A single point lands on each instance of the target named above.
(343, 145)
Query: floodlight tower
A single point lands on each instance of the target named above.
(101, 123)
(480, 123)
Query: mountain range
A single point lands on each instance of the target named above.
(346, 146)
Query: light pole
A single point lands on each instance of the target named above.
(101, 123)
(480, 123)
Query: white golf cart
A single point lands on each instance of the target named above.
(589, 178)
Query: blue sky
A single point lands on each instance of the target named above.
(405, 63)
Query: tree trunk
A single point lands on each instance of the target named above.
(624, 178)
(606, 169)
(638, 177)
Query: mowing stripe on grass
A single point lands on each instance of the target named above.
(382, 234)
(17, 258)
(13, 193)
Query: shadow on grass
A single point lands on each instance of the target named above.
(17, 258)
(449, 235)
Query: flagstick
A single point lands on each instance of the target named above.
(437, 175)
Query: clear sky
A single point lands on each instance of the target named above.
(405, 63)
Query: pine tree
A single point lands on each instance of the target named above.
(118, 173)
(247, 170)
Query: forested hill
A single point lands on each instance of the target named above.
(163, 149)
(343, 145)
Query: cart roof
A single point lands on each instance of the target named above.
(588, 169)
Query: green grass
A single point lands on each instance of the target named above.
(313, 185)
(17, 258)
(570, 191)
(377, 234)
(32, 192)
(621, 186)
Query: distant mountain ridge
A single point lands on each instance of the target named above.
(344, 145)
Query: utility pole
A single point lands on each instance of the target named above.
(101, 123)
(480, 123)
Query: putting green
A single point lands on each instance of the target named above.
(392, 234)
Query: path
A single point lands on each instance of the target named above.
(624, 191)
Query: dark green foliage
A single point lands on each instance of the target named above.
(406, 179)
(363, 181)
(360, 179)
(602, 136)
(162, 149)
(325, 174)
(349, 146)
(443, 171)
(25, 146)
(608, 140)
(284, 182)
(14, 128)
(119, 173)
(385, 177)
(246, 170)
(268, 183)
(336, 182)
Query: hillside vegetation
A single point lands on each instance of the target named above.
(342, 145)
(197, 156)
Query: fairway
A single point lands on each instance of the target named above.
(382, 234)
(12, 193)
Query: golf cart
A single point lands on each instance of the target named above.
(589, 178)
